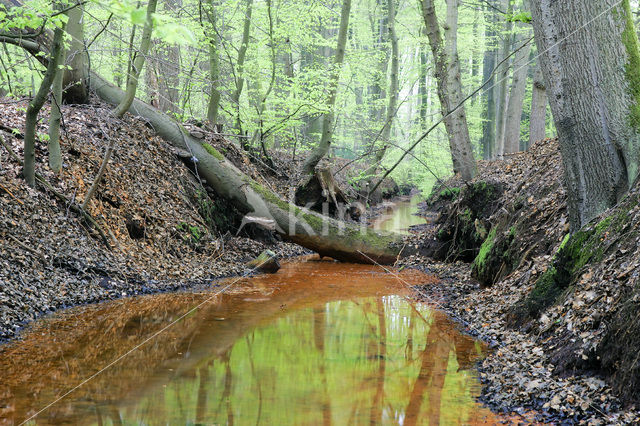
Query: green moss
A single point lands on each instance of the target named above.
(466, 215)
(449, 193)
(480, 260)
(565, 240)
(574, 252)
(214, 152)
(190, 233)
(632, 68)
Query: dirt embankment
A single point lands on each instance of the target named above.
(561, 310)
(164, 231)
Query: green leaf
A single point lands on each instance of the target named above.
(138, 16)
(173, 33)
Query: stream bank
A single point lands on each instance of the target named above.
(559, 358)
(279, 349)
(165, 233)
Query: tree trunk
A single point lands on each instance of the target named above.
(242, 53)
(377, 89)
(537, 119)
(393, 90)
(214, 66)
(31, 120)
(138, 62)
(169, 73)
(488, 93)
(55, 156)
(447, 72)
(329, 237)
(423, 94)
(593, 79)
(513, 116)
(503, 80)
(75, 78)
(329, 117)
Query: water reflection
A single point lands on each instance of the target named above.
(317, 343)
(400, 216)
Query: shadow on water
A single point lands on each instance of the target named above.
(317, 343)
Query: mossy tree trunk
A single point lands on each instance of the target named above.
(326, 236)
(593, 80)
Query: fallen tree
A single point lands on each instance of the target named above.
(326, 236)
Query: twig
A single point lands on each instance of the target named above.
(27, 248)
(101, 170)
(9, 192)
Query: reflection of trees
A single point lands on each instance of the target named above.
(201, 405)
(433, 370)
(255, 377)
(376, 407)
(319, 335)
(194, 355)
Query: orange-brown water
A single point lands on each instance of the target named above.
(319, 342)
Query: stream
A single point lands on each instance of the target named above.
(319, 342)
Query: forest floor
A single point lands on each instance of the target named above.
(165, 235)
(551, 362)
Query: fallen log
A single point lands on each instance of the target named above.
(326, 236)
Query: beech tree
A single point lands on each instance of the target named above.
(591, 64)
(137, 62)
(447, 72)
(537, 118)
(329, 117)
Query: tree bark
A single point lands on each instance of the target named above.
(138, 62)
(516, 96)
(503, 80)
(326, 236)
(447, 72)
(488, 93)
(393, 90)
(242, 53)
(329, 117)
(423, 94)
(592, 71)
(55, 156)
(31, 120)
(75, 78)
(214, 66)
(537, 119)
